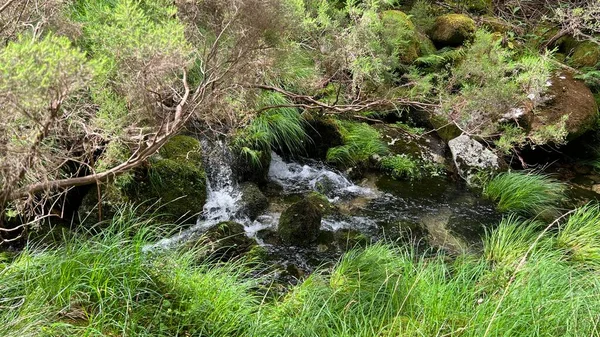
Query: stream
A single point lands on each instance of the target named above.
(430, 213)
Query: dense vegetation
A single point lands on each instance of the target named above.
(533, 279)
(107, 107)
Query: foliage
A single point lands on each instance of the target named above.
(401, 166)
(526, 193)
(277, 128)
(511, 136)
(492, 82)
(106, 285)
(579, 236)
(361, 141)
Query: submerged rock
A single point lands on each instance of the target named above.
(300, 223)
(253, 202)
(472, 159)
(438, 232)
(452, 30)
(227, 240)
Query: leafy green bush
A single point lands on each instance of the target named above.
(361, 141)
(525, 193)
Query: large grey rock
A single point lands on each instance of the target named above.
(471, 158)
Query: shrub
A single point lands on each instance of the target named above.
(525, 193)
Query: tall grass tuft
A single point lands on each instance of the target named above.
(528, 194)
(280, 128)
(580, 236)
(361, 141)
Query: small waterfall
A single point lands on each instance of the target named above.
(223, 193)
(297, 178)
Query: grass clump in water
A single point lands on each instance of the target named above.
(525, 193)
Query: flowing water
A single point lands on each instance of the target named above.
(433, 210)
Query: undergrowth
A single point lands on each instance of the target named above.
(108, 284)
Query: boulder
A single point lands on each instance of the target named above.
(249, 170)
(471, 158)
(253, 202)
(400, 36)
(568, 111)
(322, 203)
(176, 177)
(585, 54)
(452, 30)
(401, 140)
(227, 240)
(300, 223)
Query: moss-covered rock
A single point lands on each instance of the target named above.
(400, 36)
(253, 201)
(249, 170)
(227, 240)
(176, 177)
(570, 111)
(586, 54)
(452, 30)
(322, 203)
(477, 6)
(300, 223)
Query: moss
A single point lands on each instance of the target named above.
(495, 24)
(253, 201)
(228, 240)
(182, 148)
(400, 36)
(452, 30)
(176, 178)
(586, 54)
(300, 223)
(477, 6)
(321, 202)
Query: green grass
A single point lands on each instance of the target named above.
(525, 193)
(105, 285)
(361, 141)
(401, 167)
(580, 236)
(274, 129)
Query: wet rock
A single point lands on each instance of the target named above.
(471, 158)
(300, 223)
(227, 240)
(253, 202)
(325, 185)
(452, 30)
(428, 148)
(248, 169)
(400, 36)
(322, 203)
(569, 111)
